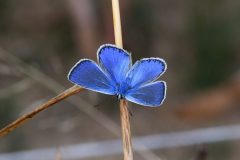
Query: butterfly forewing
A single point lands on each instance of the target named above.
(146, 70)
(87, 74)
(115, 61)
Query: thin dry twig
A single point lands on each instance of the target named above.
(117, 23)
(124, 113)
(51, 102)
(126, 130)
(56, 87)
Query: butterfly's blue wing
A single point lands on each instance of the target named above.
(87, 74)
(115, 61)
(145, 70)
(152, 94)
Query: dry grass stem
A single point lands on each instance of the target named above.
(51, 102)
(117, 23)
(124, 113)
(126, 130)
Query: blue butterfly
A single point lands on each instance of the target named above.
(115, 75)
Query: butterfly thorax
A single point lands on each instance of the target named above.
(122, 89)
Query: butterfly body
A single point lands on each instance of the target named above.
(115, 75)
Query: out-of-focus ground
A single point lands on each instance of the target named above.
(41, 40)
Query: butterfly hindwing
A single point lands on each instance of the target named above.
(115, 61)
(87, 74)
(152, 94)
(146, 70)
